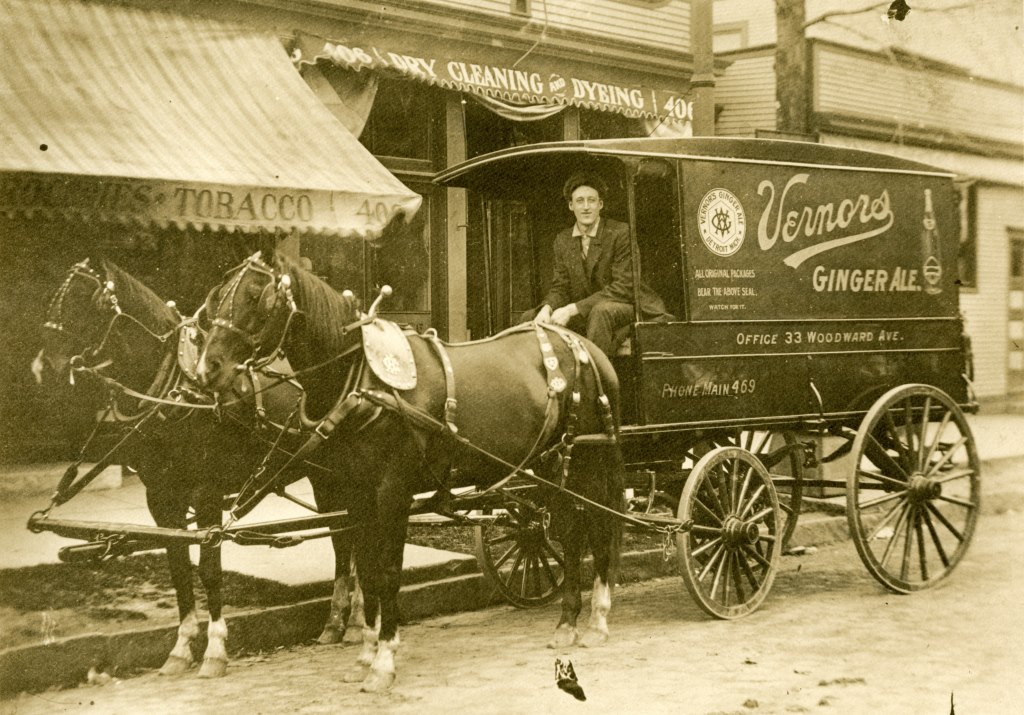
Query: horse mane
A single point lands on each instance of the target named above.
(315, 297)
(138, 300)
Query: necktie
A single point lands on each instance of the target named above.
(584, 246)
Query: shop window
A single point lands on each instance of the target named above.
(520, 7)
(606, 125)
(399, 123)
(401, 259)
(337, 261)
(967, 258)
(487, 132)
(1016, 258)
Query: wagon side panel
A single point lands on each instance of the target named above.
(810, 291)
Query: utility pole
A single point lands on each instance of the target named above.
(792, 83)
(703, 81)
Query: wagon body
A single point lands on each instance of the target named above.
(814, 300)
(803, 278)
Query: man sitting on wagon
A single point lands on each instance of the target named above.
(592, 287)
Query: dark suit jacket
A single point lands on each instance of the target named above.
(607, 274)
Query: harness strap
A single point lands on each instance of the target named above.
(450, 403)
(555, 379)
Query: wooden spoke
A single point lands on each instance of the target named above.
(913, 535)
(897, 483)
(729, 569)
(519, 557)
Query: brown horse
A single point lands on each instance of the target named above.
(498, 409)
(104, 320)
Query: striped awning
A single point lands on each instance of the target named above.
(118, 114)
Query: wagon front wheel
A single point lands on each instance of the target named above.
(913, 497)
(518, 555)
(731, 552)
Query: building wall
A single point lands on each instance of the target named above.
(913, 96)
(746, 94)
(660, 24)
(999, 207)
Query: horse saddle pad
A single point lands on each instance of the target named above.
(389, 354)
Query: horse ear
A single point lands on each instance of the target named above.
(265, 245)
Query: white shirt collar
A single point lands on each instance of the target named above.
(589, 234)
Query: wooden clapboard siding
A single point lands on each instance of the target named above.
(912, 95)
(999, 207)
(747, 94)
(757, 15)
(660, 24)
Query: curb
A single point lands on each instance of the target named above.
(433, 590)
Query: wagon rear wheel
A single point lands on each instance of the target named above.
(520, 557)
(731, 553)
(913, 497)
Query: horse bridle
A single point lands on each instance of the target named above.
(104, 294)
(282, 284)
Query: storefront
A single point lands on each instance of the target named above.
(167, 143)
(424, 101)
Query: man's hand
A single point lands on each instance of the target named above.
(543, 315)
(563, 315)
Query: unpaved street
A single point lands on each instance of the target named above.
(828, 640)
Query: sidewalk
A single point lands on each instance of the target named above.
(998, 436)
(114, 501)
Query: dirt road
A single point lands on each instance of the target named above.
(828, 640)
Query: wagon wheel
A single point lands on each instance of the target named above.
(730, 555)
(785, 465)
(520, 557)
(913, 498)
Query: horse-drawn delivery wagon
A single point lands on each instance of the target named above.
(812, 294)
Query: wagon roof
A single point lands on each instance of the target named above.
(520, 163)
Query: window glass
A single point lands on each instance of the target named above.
(487, 132)
(967, 259)
(606, 125)
(401, 259)
(657, 232)
(399, 123)
(1016, 256)
(337, 261)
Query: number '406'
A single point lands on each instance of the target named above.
(378, 212)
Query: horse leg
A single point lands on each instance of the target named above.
(572, 543)
(340, 618)
(180, 659)
(604, 536)
(169, 511)
(341, 605)
(357, 616)
(215, 658)
(368, 570)
(394, 521)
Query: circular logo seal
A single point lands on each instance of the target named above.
(722, 222)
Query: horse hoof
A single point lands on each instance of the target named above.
(353, 635)
(564, 637)
(213, 668)
(331, 636)
(377, 682)
(355, 674)
(592, 638)
(175, 666)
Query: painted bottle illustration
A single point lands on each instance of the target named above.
(931, 257)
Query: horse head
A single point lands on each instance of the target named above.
(260, 312)
(101, 318)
